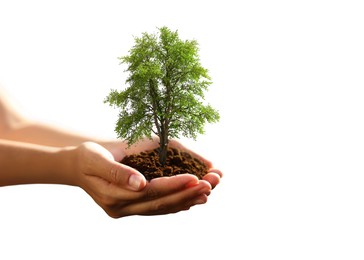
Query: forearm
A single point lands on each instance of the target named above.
(14, 126)
(42, 134)
(22, 163)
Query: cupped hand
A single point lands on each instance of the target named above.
(119, 149)
(123, 191)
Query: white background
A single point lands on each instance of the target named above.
(288, 80)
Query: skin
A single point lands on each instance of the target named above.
(37, 153)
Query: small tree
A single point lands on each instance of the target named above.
(165, 93)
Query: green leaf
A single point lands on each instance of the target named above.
(164, 89)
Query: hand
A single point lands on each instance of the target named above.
(122, 191)
(119, 149)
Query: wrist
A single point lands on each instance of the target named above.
(66, 166)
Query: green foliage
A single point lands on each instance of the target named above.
(166, 89)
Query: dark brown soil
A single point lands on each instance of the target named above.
(178, 162)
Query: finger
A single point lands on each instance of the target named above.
(159, 187)
(108, 195)
(100, 163)
(156, 188)
(213, 178)
(175, 202)
(217, 171)
(124, 176)
(163, 186)
(114, 172)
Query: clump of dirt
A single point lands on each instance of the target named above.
(178, 162)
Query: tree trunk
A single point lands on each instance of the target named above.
(163, 147)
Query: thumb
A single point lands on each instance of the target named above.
(125, 176)
(101, 163)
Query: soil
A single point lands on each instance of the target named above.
(178, 162)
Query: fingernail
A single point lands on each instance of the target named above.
(135, 181)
